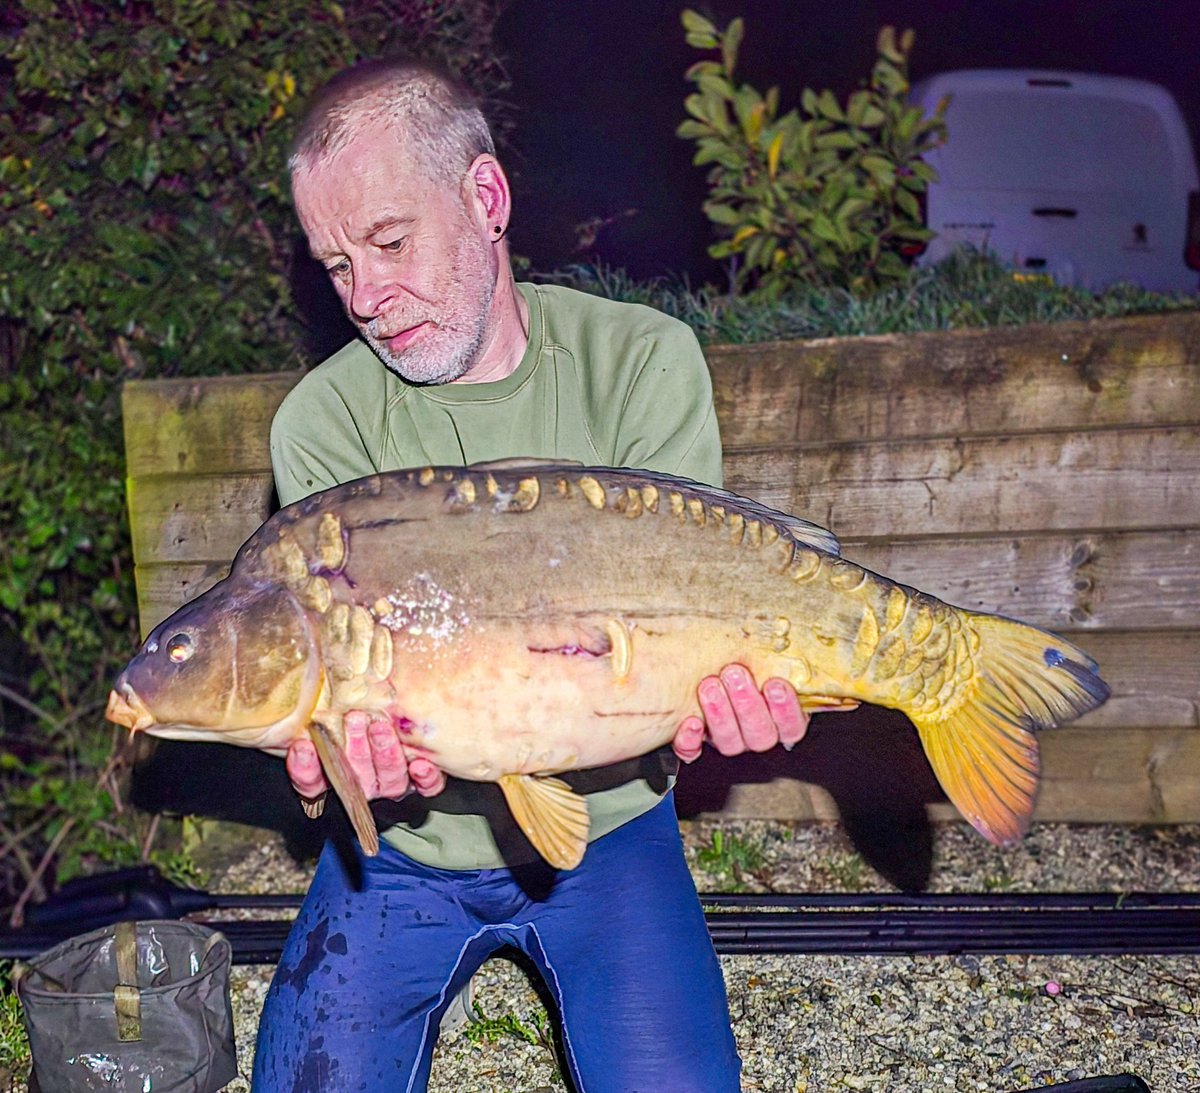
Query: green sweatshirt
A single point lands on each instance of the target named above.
(600, 383)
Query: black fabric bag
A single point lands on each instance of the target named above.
(138, 1007)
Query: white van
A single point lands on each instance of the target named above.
(1089, 179)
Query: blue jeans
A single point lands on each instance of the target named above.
(621, 942)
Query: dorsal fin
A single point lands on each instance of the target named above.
(796, 528)
(801, 531)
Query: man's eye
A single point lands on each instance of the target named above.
(338, 269)
(394, 245)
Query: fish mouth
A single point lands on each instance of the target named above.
(125, 708)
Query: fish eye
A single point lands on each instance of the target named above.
(179, 648)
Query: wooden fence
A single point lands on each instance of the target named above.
(1051, 473)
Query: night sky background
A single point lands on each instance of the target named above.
(598, 87)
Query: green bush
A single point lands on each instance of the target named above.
(826, 195)
(145, 230)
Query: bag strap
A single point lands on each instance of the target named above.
(126, 996)
(214, 939)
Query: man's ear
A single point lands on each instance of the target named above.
(487, 191)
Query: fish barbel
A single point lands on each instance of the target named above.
(516, 621)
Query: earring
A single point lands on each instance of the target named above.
(498, 230)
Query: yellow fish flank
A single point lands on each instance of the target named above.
(520, 620)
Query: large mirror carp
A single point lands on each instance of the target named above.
(519, 621)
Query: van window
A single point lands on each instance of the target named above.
(1052, 141)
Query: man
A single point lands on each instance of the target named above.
(400, 195)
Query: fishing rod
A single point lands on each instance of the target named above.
(1086, 923)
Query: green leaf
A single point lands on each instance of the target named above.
(730, 42)
(714, 87)
(838, 138)
(828, 105)
(852, 207)
(883, 171)
(704, 68)
(693, 129)
(907, 204)
(697, 26)
(721, 214)
(885, 44)
(823, 228)
(704, 108)
(872, 117)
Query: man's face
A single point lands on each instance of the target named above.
(408, 255)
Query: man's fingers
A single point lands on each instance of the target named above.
(428, 779)
(389, 764)
(722, 723)
(304, 769)
(783, 705)
(750, 708)
(358, 751)
(689, 739)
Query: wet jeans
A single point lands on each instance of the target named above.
(621, 942)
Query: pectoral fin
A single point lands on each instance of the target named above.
(553, 816)
(345, 784)
(812, 704)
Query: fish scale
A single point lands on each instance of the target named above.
(523, 620)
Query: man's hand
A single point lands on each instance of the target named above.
(374, 751)
(738, 718)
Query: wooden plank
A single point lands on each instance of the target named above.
(1143, 370)
(1154, 678)
(1145, 776)
(1155, 770)
(196, 518)
(1116, 478)
(201, 425)
(1127, 580)
(1137, 371)
(1123, 580)
(163, 588)
(1133, 776)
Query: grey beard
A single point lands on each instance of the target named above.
(424, 364)
(412, 368)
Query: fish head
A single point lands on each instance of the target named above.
(239, 662)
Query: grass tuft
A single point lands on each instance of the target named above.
(969, 289)
(14, 1044)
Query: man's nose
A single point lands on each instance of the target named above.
(370, 290)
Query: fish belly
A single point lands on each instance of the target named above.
(514, 703)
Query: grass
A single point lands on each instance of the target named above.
(967, 290)
(730, 860)
(14, 1044)
(847, 871)
(535, 1029)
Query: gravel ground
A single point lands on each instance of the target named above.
(808, 1023)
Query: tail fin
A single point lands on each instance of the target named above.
(983, 750)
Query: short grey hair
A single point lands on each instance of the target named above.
(435, 111)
